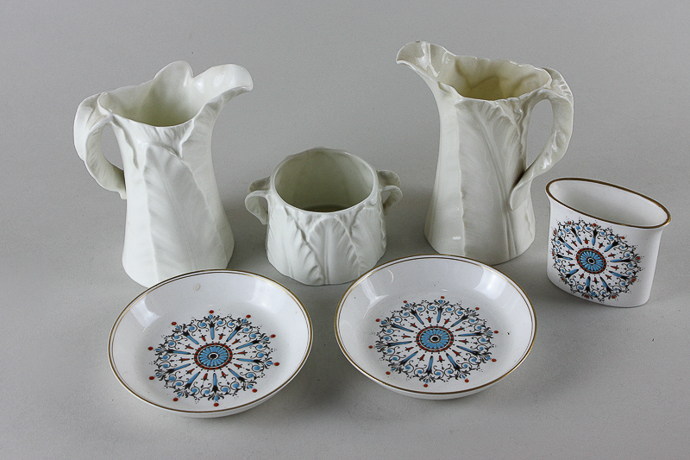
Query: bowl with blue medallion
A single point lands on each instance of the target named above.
(210, 343)
(435, 326)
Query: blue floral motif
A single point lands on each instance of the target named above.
(593, 261)
(435, 341)
(212, 358)
(435, 338)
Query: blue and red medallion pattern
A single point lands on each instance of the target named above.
(593, 261)
(435, 341)
(213, 357)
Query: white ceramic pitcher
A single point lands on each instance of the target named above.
(175, 219)
(481, 205)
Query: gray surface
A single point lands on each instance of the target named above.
(600, 382)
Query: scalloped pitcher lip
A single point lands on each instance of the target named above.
(175, 90)
(420, 57)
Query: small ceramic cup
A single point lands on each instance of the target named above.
(324, 215)
(603, 241)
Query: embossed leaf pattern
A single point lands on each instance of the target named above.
(330, 248)
(288, 248)
(492, 160)
(348, 243)
(182, 225)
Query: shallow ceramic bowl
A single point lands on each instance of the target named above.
(435, 326)
(210, 343)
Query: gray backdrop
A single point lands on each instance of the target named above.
(600, 382)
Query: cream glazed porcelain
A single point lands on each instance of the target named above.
(175, 220)
(481, 205)
(325, 215)
(435, 326)
(603, 241)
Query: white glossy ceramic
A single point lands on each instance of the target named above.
(481, 205)
(435, 326)
(175, 219)
(603, 241)
(210, 343)
(325, 215)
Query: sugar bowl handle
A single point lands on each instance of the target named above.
(258, 189)
(389, 183)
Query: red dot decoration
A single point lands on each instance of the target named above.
(254, 390)
(216, 404)
(277, 364)
(150, 348)
(249, 316)
(152, 378)
(273, 336)
(211, 311)
(174, 323)
(175, 399)
(467, 380)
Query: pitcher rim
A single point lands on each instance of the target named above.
(451, 89)
(190, 74)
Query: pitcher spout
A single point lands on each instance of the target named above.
(469, 77)
(429, 61)
(450, 77)
(175, 96)
(222, 83)
(417, 56)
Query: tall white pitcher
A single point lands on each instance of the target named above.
(175, 219)
(481, 205)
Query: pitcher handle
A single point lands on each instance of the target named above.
(88, 129)
(258, 189)
(561, 99)
(390, 183)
